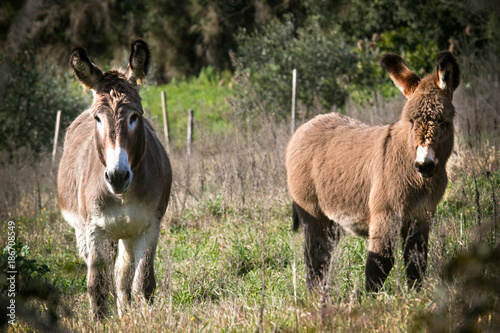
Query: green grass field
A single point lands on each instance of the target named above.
(227, 265)
(207, 95)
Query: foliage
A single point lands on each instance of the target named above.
(265, 61)
(32, 97)
(416, 22)
(31, 283)
(185, 36)
(189, 35)
(469, 298)
(28, 270)
(338, 47)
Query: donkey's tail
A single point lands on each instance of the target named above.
(295, 217)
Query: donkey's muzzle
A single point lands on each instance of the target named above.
(118, 179)
(426, 161)
(426, 168)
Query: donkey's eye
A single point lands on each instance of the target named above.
(133, 118)
(97, 119)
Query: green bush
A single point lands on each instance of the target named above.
(469, 299)
(30, 284)
(323, 60)
(337, 48)
(28, 270)
(32, 97)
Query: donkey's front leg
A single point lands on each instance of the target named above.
(144, 282)
(98, 279)
(382, 234)
(415, 239)
(124, 269)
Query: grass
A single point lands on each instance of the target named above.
(205, 94)
(216, 254)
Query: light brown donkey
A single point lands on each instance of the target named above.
(382, 182)
(114, 181)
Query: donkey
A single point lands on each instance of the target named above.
(380, 182)
(114, 181)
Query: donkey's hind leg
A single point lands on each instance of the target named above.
(320, 238)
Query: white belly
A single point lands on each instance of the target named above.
(356, 225)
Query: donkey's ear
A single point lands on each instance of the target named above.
(447, 72)
(85, 71)
(138, 66)
(402, 76)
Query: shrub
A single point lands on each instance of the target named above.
(470, 297)
(265, 62)
(31, 286)
(32, 97)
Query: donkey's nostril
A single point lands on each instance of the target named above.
(426, 169)
(118, 180)
(117, 176)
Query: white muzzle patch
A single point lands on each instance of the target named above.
(425, 154)
(118, 174)
(425, 162)
(116, 159)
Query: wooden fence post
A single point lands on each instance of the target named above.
(165, 119)
(188, 155)
(190, 132)
(56, 135)
(294, 87)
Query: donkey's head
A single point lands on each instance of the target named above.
(429, 110)
(117, 110)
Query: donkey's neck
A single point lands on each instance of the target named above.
(399, 147)
(400, 135)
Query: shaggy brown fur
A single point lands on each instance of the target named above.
(380, 182)
(114, 181)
